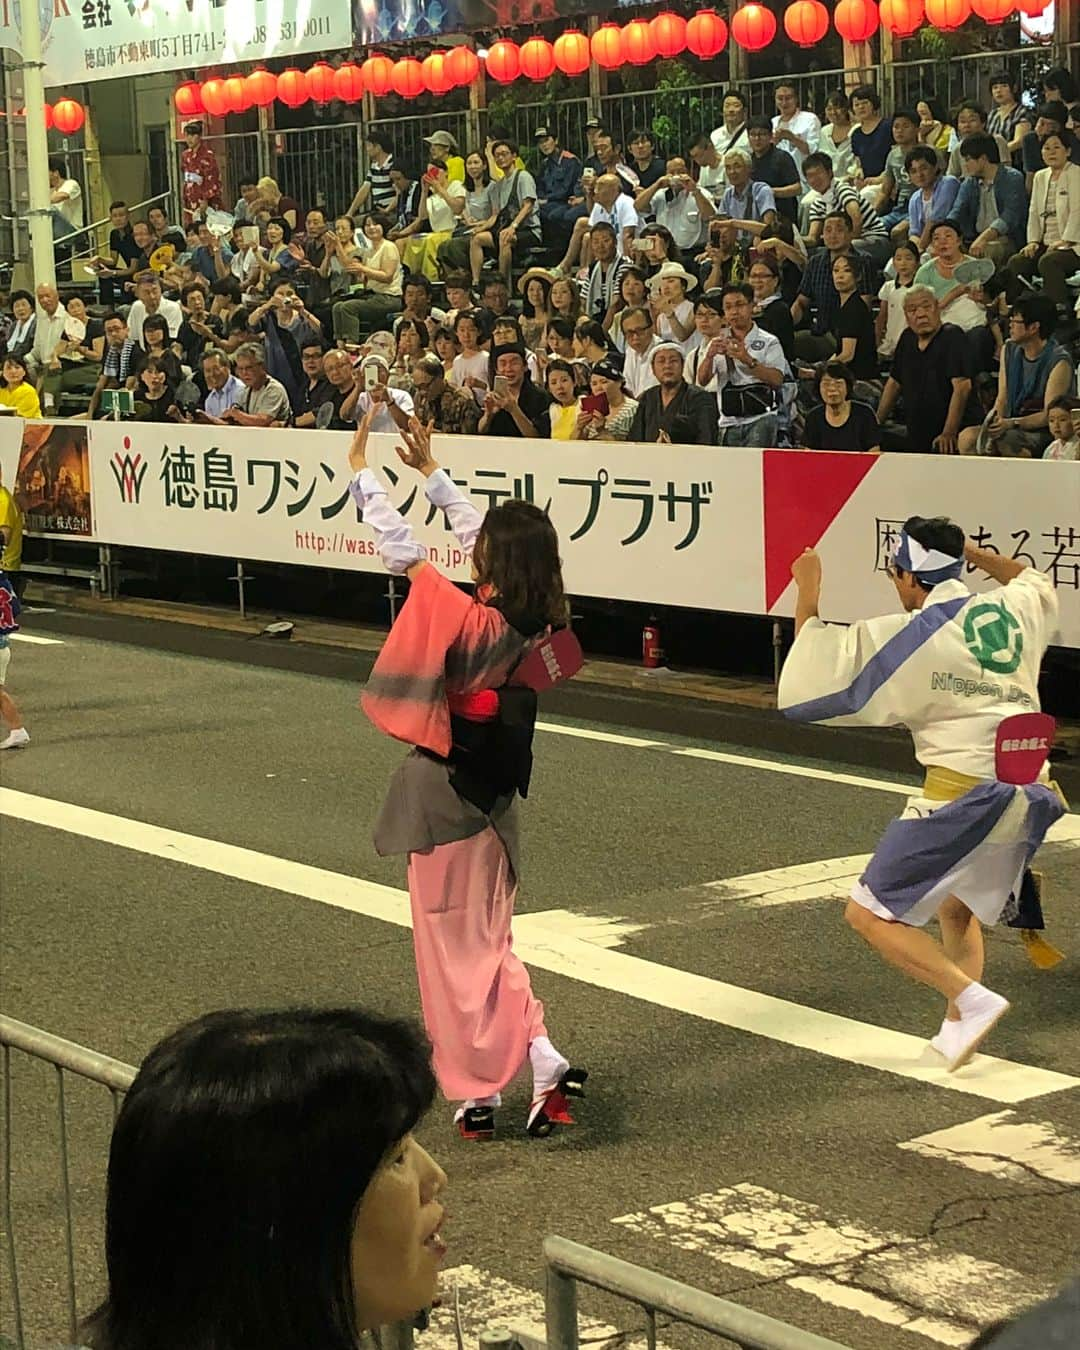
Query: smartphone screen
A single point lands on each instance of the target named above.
(371, 377)
(502, 384)
(250, 234)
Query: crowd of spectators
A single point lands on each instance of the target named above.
(880, 281)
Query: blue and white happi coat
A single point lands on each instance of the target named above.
(950, 672)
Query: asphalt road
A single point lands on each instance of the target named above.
(811, 1211)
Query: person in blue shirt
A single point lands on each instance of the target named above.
(991, 207)
(558, 183)
(211, 247)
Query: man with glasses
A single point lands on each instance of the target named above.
(640, 335)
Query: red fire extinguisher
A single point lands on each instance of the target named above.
(652, 651)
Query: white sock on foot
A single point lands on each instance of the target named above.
(974, 1000)
(14, 739)
(548, 1066)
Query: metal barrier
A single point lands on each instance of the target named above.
(66, 1058)
(570, 1264)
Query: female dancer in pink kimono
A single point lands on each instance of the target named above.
(441, 683)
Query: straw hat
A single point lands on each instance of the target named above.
(672, 269)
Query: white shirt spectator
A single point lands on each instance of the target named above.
(478, 366)
(47, 333)
(620, 216)
(804, 125)
(892, 296)
(679, 213)
(440, 214)
(723, 141)
(638, 371)
(837, 198)
(71, 208)
(842, 155)
(684, 312)
(169, 310)
(382, 420)
(766, 349)
(712, 179)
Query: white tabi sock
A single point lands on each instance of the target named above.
(975, 1000)
(548, 1066)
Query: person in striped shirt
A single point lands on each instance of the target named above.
(867, 228)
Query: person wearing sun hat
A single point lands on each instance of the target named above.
(672, 312)
(443, 151)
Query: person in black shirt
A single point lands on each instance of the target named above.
(345, 389)
(155, 393)
(840, 424)
(200, 329)
(853, 326)
(124, 258)
(774, 166)
(644, 160)
(155, 346)
(316, 389)
(931, 371)
(514, 407)
(772, 313)
(672, 411)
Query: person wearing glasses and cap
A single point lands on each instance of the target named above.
(952, 668)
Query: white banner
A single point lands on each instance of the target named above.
(704, 527)
(85, 40)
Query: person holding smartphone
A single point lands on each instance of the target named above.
(390, 409)
(606, 412)
(514, 406)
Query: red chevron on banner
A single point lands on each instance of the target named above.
(803, 492)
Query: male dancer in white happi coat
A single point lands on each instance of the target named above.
(950, 669)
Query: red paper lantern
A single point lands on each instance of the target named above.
(537, 58)
(292, 88)
(348, 83)
(1032, 8)
(993, 11)
(947, 14)
(504, 61)
(902, 17)
(607, 46)
(669, 34)
(50, 116)
(408, 77)
(753, 27)
(858, 20)
(806, 22)
(187, 100)
(261, 87)
(320, 82)
(214, 98)
(378, 73)
(237, 98)
(462, 65)
(706, 32)
(638, 44)
(436, 76)
(572, 54)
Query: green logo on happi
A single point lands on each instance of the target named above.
(993, 638)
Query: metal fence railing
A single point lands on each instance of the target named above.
(569, 1264)
(54, 1200)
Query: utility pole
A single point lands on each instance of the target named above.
(42, 258)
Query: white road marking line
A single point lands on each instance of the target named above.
(36, 639)
(551, 947)
(904, 1281)
(827, 879)
(488, 1301)
(1066, 829)
(1004, 1147)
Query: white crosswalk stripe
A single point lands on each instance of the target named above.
(36, 639)
(901, 1280)
(1003, 1146)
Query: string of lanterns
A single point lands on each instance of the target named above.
(752, 27)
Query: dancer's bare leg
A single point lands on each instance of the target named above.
(962, 940)
(910, 950)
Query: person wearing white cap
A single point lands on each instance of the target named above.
(672, 411)
(672, 312)
(393, 407)
(747, 368)
(443, 151)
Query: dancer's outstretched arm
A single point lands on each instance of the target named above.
(398, 549)
(465, 520)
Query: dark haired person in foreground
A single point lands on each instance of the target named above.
(952, 668)
(265, 1188)
(442, 683)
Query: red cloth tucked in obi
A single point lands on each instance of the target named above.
(443, 641)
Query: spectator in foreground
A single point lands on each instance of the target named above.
(118, 363)
(264, 401)
(931, 372)
(612, 413)
(514, 406)
(1063, 423)
(222, 387)
(839, 423)
(440, 404)
(17, 392)
(671, 398)
(267, 1160)
(749, 371)
(1034, 373)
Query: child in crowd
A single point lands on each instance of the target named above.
(1063, 420)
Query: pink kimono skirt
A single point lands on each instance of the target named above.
(479, 1008)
